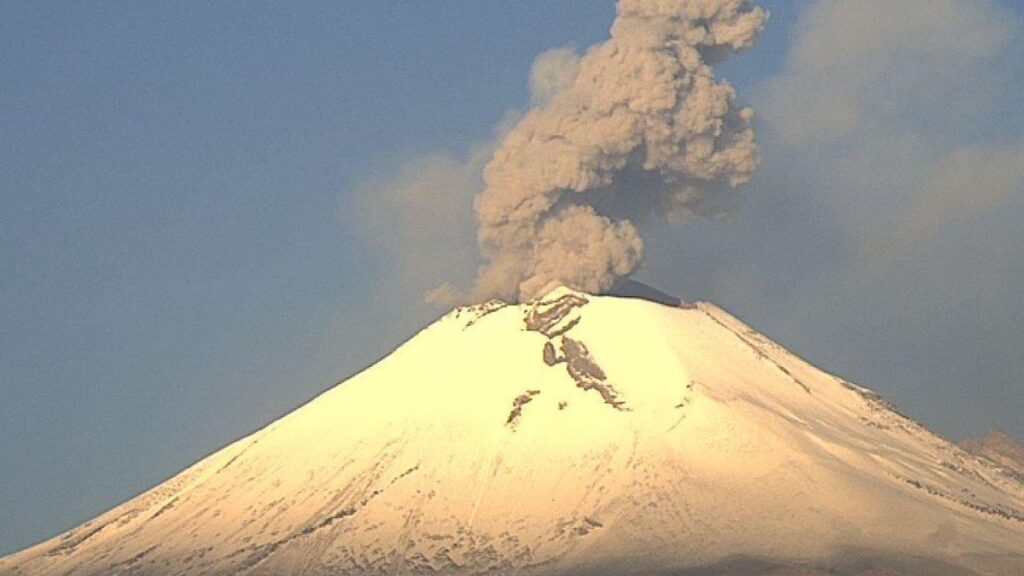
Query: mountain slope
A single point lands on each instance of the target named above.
(573, 434)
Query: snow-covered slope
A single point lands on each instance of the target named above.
(573, 434)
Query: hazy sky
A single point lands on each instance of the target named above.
(204, 219)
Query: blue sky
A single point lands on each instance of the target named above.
(184, 253)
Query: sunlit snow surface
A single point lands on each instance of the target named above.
(573, 434)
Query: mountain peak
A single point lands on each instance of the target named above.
(571, 434)
(999, 448)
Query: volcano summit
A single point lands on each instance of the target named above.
(572, 434)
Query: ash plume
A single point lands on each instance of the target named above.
(637, 126)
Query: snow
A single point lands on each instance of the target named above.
(566, 435)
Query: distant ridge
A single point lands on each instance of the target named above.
(999, 448)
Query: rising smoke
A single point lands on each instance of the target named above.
(637, 126)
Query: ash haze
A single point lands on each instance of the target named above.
(211, 214)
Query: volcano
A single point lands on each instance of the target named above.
(573, 434)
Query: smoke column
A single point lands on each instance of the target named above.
(637, 126)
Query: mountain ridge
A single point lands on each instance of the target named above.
(572, 434)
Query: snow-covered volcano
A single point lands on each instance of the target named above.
(572, 435)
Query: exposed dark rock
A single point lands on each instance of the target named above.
(1002, 512)
(581, 365)
(550, 356)
(587, 374)
(477, 312)
(517, 407)
(547, 316)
